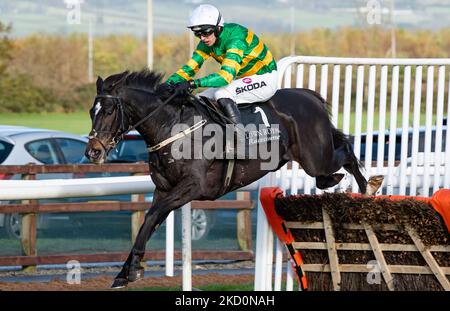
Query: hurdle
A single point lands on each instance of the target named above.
(363, 254)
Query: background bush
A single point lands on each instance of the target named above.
(49, 72)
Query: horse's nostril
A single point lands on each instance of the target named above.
(94, 153)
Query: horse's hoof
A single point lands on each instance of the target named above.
(135, 275)
(337, 177)
(119, 283)
(373, 184)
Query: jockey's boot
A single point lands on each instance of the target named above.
(232, 112)
(230, 109)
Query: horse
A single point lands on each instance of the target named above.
(132, 100)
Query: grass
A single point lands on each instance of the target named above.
(76, 123)
(376, 121)
(68, 243)
(46, 246)
(80, 123)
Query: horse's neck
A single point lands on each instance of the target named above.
(157, 126)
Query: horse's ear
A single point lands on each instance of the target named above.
(122, 76)
(99, 85)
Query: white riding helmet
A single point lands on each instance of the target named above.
(205, 14)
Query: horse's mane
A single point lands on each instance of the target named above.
(145, 79)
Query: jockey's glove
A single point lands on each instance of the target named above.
(165, 87)
(185, 86)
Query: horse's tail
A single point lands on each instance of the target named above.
(342, 140)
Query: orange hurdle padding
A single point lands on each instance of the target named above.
(267, 198)
(441, 203)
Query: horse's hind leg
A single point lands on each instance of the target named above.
(351, 165)
(345, 157)
(324, 182)
(353, 169)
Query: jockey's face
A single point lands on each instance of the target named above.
(209, 40)
(206, 33)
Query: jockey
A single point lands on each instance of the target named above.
(248, 70)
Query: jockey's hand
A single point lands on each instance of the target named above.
(165, 87)
(185, 86)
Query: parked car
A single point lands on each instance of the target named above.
(22, 145)
(133, 149)
(398, 142)
(420, 154)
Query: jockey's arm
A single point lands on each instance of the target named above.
(188, 71)
(229, 69)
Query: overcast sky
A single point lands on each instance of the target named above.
(170, 16)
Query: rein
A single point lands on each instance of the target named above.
(152, 113)
(122, 131)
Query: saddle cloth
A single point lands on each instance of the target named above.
(259, 130)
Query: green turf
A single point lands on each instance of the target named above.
(76, 123)
(80, 123)
(104, 243)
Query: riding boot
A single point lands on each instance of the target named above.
(232, 112)
(230, 109)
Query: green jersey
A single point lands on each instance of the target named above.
(239, 51)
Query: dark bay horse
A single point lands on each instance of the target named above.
(124, 100)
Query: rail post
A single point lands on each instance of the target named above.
(28, 229)
(137, 217)
(244, 224)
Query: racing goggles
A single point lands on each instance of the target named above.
(204, 31)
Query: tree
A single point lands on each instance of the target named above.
(5, 47)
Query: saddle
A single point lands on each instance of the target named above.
(258, 126)
(258, 130)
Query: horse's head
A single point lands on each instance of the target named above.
(109, 121)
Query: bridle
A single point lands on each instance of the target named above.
(122, 130)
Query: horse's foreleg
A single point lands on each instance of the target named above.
(132, 269)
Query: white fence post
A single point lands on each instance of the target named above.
(170, 244)
(186, 228)
(416, 125)
(405, 126)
